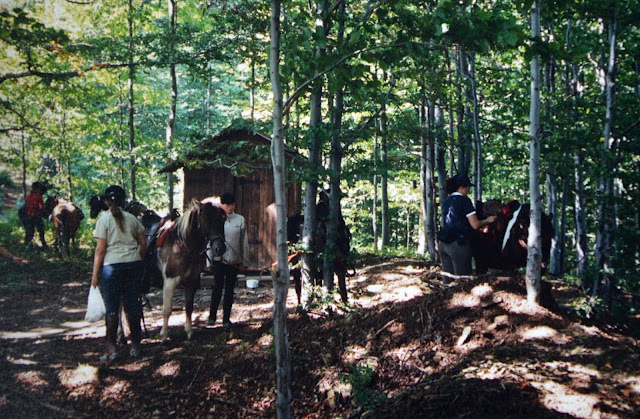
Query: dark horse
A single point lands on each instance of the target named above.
(66, 218)
(181, 247)
(503, 244)
(97, 204)
(295, 224)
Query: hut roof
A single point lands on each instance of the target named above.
(238, 149)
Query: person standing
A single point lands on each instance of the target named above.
(120, 249)
(32, 213)
(234, 258)
(459, 219)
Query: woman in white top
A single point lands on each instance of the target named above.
(235, 257)
(121, 246)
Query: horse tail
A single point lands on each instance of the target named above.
(348, 268)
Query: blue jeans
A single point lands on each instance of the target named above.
(122, 280)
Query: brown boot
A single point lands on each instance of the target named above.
(111, 321)
(136, 335)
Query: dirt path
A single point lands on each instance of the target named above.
(410, 347)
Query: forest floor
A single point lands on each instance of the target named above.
(410, 346)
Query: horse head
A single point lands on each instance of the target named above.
(211, 218)
(49, 205)
(136, 208)
(149, 218)
(97, 204)
(295, 224)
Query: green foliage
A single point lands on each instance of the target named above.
(362, 380)
(587, 307)
(5, 179)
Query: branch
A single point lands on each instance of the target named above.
(291, 99)
(100, 66)
(347, 144)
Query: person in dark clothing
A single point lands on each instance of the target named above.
(459, 219)
(32, 212)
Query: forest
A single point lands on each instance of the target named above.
(537, 101)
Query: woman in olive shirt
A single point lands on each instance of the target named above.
(118, 259)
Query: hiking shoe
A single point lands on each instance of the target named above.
(109, 357)
(135, 351)
(211, 321)
(227, 325)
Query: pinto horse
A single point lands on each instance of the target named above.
(503, 244)
(181, 255)
(66, 218)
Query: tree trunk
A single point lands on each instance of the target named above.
(121, 140)
(335, 169)
(281, 278)
(534, 242)
(384, 191)
(23, 160)
(552, 206)
(424, 148)
(171, 122)
(464, 141)
(374, 205)
(132, 139)
(477, 190)
(428, 188)
(315, 155)
(605, 233)
(573, 89)
(580, 217)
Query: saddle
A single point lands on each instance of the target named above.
(156, 235)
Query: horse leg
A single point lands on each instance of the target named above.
(342, 283)
(168, 289)
(189, 294)
(296, 273)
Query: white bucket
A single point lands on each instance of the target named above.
(252, 283)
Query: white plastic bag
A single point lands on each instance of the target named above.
(95, 306)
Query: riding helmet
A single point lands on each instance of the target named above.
(114, 193)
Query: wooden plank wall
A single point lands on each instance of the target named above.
(255, 200)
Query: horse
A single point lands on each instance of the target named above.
(181, 247)
(503, 244)
(97, 204)
(66, 218)
(295, 224)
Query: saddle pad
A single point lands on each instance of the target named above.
(164, 231)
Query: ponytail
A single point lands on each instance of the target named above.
(116, 211)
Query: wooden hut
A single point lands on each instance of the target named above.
(239, 161)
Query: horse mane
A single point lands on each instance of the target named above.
(184, 222)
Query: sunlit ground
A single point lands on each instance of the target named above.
(563, 386)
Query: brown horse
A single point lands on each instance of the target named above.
(181, 255)
(66, 218)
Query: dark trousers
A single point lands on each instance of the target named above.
(456, 257)
(225, 278)
(30, 226)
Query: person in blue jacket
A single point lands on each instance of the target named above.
(459, 219)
